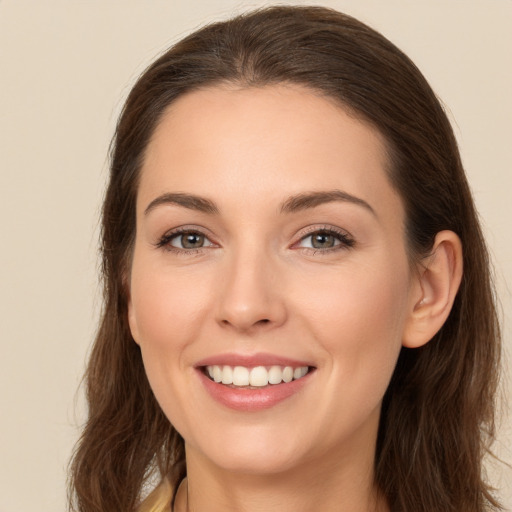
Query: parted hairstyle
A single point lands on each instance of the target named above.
(437, 419)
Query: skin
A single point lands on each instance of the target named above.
(257, 285)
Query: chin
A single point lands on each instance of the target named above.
(255, 463)
(252, 453)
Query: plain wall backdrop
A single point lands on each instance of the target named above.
(65, 68)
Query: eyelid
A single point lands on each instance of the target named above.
(165, 239)
(345, 238)
(178, 236)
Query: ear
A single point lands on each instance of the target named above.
(132, 318)
(437, 283)
(132, 321)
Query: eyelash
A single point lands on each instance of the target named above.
(165, 241)
(345, 241)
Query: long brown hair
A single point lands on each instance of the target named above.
(437, 418)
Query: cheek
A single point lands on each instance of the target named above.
(364, 300)
(165, 318)
(358, 318)
(165, 308)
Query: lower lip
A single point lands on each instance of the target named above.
(256, 399)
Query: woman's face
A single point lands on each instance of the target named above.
(268, 236)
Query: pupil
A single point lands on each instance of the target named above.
(192, 240)
(323, 240)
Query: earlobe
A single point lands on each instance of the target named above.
(438, 281)
(127, 289)
(132, 320)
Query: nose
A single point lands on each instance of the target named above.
(251, 293)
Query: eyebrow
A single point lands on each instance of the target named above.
(312, 199)
(189, 201)
(299, 202)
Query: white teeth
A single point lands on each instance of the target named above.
(227, 375)
(275, 375)
(217, 373)
(288, 374)
(259, 376)
(240, 376)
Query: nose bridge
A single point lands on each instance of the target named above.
(250, 292)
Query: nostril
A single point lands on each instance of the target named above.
(241, 326)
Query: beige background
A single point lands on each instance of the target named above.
(65, 67)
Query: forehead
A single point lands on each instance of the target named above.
(270, 141)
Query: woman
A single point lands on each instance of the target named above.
(298, 307)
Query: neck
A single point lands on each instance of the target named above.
(329, 484)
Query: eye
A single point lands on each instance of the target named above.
(320, 240)
(184, 240)
(326, 239)
(189, 240)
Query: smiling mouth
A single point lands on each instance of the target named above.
(254, 377)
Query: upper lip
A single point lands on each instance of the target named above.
(251, 360)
